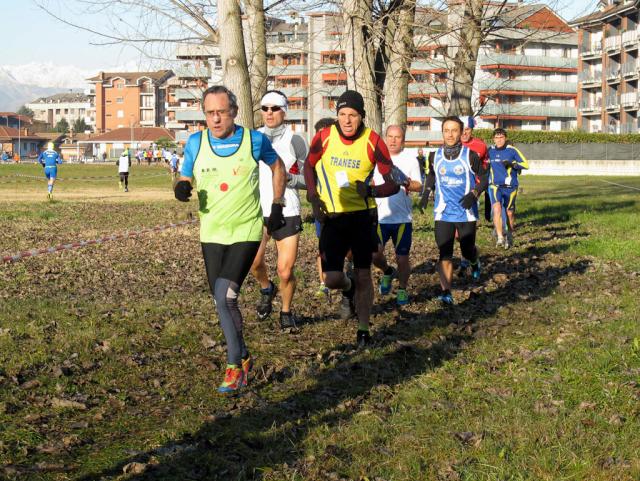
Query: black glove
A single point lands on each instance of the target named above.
(508, 163)
(182, 190)
(276, 219)
(363, 189)
(319, 208)
(468, 200)
(424, 200)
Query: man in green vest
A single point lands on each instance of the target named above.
(223, 161)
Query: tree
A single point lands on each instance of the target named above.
(24, 110)
(257, 53)
(165, 143)
(79, 125)
(62, 126)
(234, 60)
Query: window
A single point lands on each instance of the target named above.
(119, 100)
(120, 85)
(120, 114)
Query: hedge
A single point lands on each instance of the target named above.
(546, 137)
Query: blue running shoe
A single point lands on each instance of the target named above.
(475, 270)
(446, 298)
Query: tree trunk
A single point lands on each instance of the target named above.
(359, 58)
(470, 37)
(234, 61)
(257, 53)
(401, 49)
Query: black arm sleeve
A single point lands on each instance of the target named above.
(430, 182)
(482, 174)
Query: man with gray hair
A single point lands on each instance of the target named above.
(394, 215)
(223, 161)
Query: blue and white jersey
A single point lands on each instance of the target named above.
(454, 179)
(49, 158)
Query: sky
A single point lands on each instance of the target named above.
(41, 38)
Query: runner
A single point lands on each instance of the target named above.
(222, 161)
(124, 163)
(506, 163)
(323, 290)
(293, 150)
(341, 162)
(459, 177)
(394, 216)
(174, 164)
(49, 159)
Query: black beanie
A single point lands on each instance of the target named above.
(352, 99)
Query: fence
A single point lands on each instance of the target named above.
(582, 151)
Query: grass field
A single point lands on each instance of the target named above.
(110, 354)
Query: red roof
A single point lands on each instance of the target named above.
(9, 133)
(140, 134)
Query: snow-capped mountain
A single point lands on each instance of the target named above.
(50, 75)
(13, 94)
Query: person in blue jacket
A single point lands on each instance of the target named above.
(506, 162)
(49, 159)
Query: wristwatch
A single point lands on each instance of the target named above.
(279, 201)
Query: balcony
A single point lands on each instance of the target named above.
(431, 64)
(188, 94)
(423, 135)
(424, 88)
(190, 115)
(592, 50)
(612, 44)
(527, 110)
(613, 74)
(173, 125)
(590, 78)
(629, 128)
(425, 112)
(593, 107)
(191, 71)
(629, 100)
(503, 60)
(528, 86)
(300, 91)
(630, 69)
(297, 114)
(630, 39)
(613, 102)
(288, 69)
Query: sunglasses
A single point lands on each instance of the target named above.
(275, 108)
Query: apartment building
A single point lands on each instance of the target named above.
(526, 74)
(609, 66)
(69, 106)
(129, 99)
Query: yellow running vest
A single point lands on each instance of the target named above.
(338, 170)
(228, 193)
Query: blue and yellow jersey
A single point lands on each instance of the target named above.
(502, 175)
(49, 158)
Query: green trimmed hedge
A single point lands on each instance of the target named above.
(573, 137)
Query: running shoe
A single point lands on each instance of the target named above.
(446, 298)
(500, 242)
(323, 291)
(508, 241)
(287, 320)
(347, 304)
(385, 282)
(475, 270)
(348, 268)
(266, 299)
(50, 196)
(247, 365)
(233, 379)
(126, 189)
(464, 265)
(402, 297)
(363, 339)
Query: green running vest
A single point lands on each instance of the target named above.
(228, 193)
